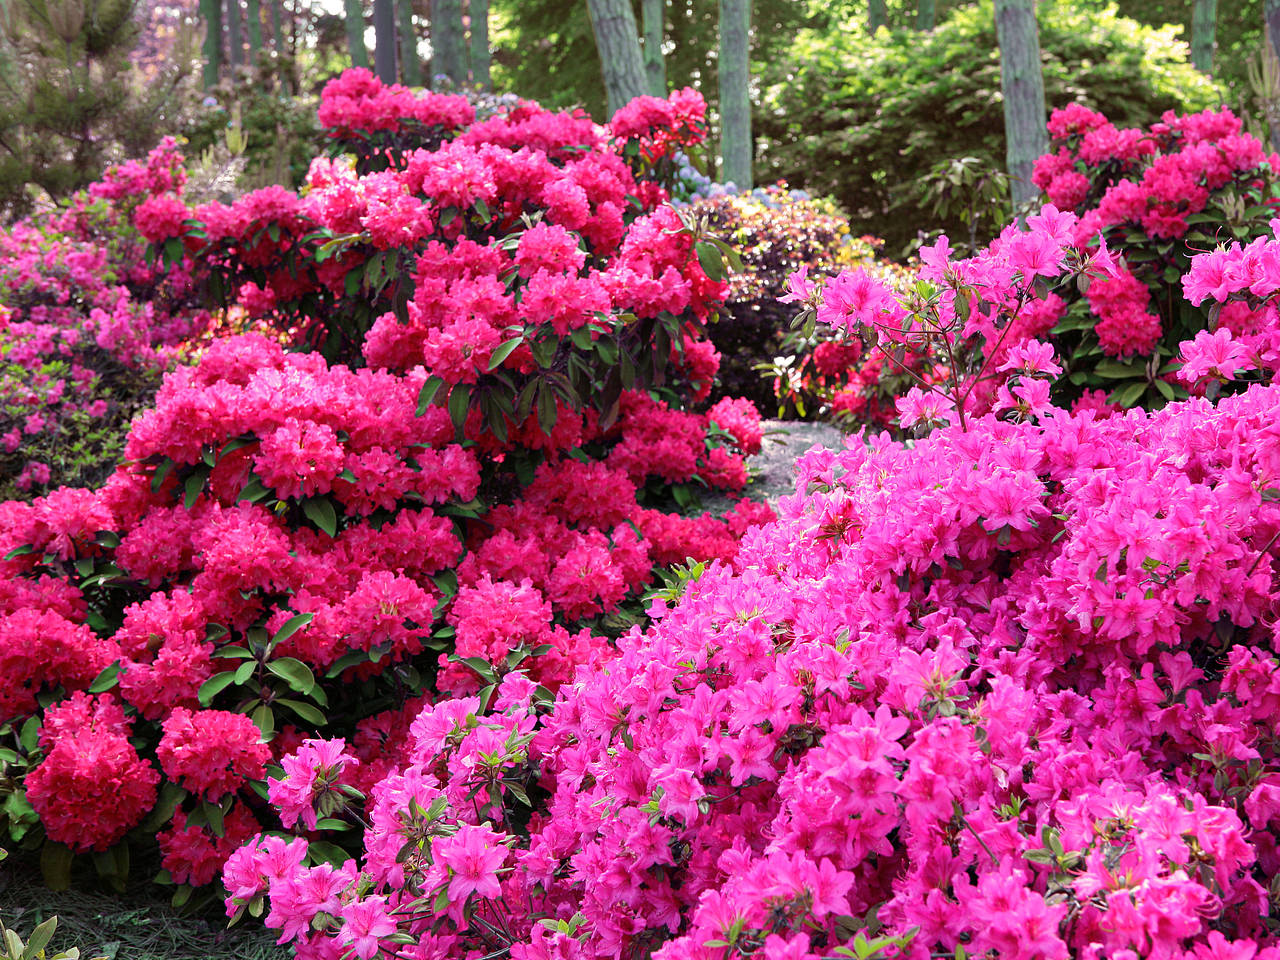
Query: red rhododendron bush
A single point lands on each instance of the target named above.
(1008, 691)
(297, 547)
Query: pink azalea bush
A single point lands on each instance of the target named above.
(296, 550)
(86, 327)
(1010, 691)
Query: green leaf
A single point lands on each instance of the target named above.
(107, 679)
(305, 710)
(214, 686)
(319, 510)
(253, 491)
(483, 209)
(346, 662)
(39, 939)
(294, 672)
(1129, 394)
(322, 851)
(265, 720)
(710, 261)
(1165, 388)
(213, 814)
(459, 400)
(428, 393)
(291, 626)
(504, 350)
(162, 471)
(29, 735)
(245, 671)
(21, 551)
(55, 865)
(192, 488)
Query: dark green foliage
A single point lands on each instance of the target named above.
(863, 119)
(544, 49)
(281, 133)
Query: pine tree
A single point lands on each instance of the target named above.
(65, 99)
(1022, 84)
(614, 24)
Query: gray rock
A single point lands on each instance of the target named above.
(773, 468)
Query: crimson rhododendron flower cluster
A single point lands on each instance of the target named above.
(296, 547)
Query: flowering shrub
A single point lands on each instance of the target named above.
(1141, 204)
(296, 548)
(86, 328)
(1010, 692)
(774, 231)
(1158, 197)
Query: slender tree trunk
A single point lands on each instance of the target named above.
(479, 15)
(735, 93)
(410, 65)
(253, 27)
(235, 40)
(614, 24)
(384, 40)
(926, 14)
(354, 16)
(1271, 60)
(278, 43)
(653, 16)
(1022, 83)
(211, 13)
(1204, 16)
(448, 43)
(876, 15)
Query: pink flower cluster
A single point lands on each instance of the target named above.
(1010, 690)
(358, 100)
(80, 302)
(1159, 182)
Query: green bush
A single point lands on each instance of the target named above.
(862, 119)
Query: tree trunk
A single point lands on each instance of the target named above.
(876, 15)
(614, 24)
(448, 42)
(235, 42)
(253, 27)
(280, 46)
(1204, 16)
(479, 15)
(410, 65)
(653, 15)
(735, 93)
(354, 16)
(211, 13)
(1271, 53)
(1022, 84)
(384, 40)
(926, 14)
